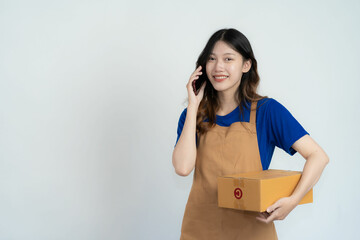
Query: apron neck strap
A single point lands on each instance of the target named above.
(253, 112)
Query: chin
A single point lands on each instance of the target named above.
(217, 86)
(220, 89)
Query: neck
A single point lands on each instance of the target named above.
(227, 101)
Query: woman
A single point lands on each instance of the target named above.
(236, 131)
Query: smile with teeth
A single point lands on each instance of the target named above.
(220, 78)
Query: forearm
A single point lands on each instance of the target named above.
(184, 154)
(312, 171)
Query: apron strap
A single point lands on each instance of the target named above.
(253, 112)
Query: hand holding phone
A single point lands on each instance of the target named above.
(195, 87)
(199, 80)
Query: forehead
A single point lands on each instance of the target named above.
(222, 48)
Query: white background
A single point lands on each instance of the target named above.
(91, 93)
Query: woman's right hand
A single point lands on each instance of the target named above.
(195, 99)
(184, 154)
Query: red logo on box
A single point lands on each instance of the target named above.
(238, 193)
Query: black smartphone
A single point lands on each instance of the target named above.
(198, 83)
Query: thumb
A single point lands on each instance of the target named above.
(273, 207)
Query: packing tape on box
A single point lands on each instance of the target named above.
(238, 182)
(239, 203)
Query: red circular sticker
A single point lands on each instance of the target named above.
(238, 193)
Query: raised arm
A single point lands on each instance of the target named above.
(184, 154)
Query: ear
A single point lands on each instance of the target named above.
(246, 66)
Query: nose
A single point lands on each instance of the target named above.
(219, 66)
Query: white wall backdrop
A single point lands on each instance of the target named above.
(91, 93)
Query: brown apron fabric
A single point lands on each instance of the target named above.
(223, 151)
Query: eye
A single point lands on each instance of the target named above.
(228, 59)
(211, 58)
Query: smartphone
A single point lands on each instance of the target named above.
(198, 83)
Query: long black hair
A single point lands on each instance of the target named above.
(249, 81)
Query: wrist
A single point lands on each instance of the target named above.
(295, 199)
(193, 106)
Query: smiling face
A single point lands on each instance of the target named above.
(225, 68)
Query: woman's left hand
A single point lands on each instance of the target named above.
(278, 211)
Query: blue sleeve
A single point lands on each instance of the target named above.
(284, 129)
(181, 125)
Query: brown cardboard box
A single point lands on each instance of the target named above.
(256, 191)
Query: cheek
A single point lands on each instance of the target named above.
(235, 70)
(232, 68)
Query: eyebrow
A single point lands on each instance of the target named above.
(224, 54)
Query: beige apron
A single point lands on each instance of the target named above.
(223, 151)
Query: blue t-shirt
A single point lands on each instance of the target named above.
(275, 126)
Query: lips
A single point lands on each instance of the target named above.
(220, 78)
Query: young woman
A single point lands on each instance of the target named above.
(228, 128)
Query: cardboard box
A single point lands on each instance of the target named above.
(256, 191)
